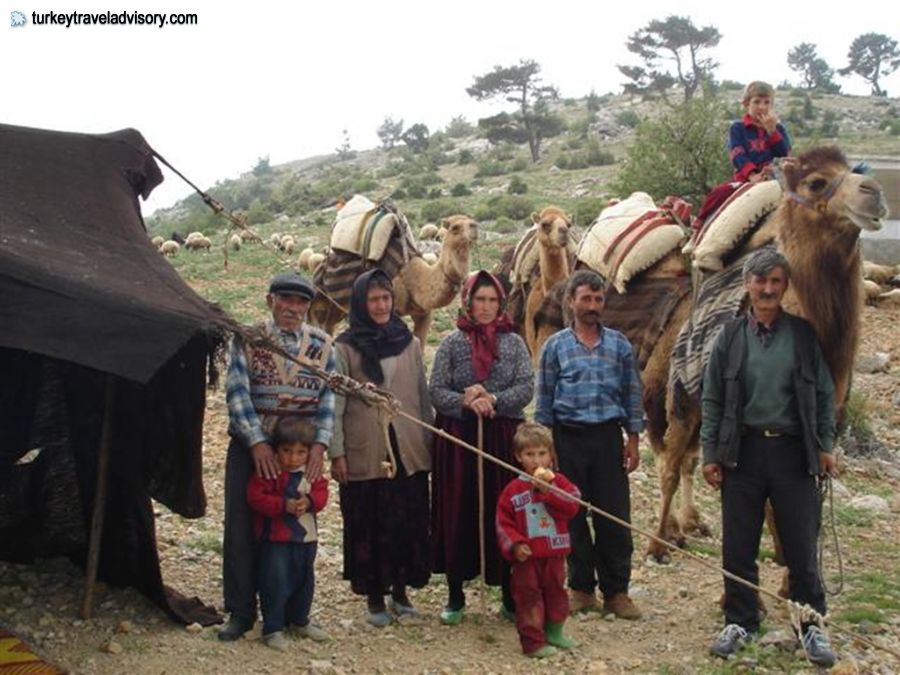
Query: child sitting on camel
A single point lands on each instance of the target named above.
(285, 525)
(753, 143)
(533, 534)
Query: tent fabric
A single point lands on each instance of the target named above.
(85, 302)
(74, 252)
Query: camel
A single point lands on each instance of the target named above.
(419, 287)
(552, 240)
(816, 227)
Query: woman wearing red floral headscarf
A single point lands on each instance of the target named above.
(483, 369)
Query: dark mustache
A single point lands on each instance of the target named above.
(767, 296)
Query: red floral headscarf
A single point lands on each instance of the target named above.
(482, 337)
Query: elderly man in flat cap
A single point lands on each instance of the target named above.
(262, 387)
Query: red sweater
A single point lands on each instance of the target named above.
(541, 520)
(267, 497)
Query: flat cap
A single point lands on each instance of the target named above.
(290, 283)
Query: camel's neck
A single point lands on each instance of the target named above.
(825, 287)
(435, 285)
(554, 265)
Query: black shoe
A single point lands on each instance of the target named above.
(234, 629)
(817, 647)
(732, 638)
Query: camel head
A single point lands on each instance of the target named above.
(461, 235)
(552, 227)
(820, 184)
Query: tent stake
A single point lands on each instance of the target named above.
(93, 558)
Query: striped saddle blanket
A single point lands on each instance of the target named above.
(718, 300)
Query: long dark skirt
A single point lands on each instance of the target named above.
(386, 538)
(454, 497)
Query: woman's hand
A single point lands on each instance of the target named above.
(471, 393)
(483, 406)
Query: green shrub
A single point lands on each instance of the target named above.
(830, 127)
(505, 225)
(465, 157)
(433, 211)
(460, 190)
(588, 208)
(731, 85)
(399, 193)
(484, 211)
(362, 185)
(575, 143)
(892, 126)
(490, 167)
(597, 157)
(593, 101)
(561, 162)
(628, 118)
(512, 206)
(416, 190)
(517, 186)
(435, 193)
(458, 127)
(519, 164)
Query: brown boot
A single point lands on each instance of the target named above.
(581, 601)
(622, 606)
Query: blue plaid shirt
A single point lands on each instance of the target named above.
(244, 423)
(579, 385)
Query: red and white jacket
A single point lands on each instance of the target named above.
(267, 498)
(541, 520)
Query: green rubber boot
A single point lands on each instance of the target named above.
(554, 635)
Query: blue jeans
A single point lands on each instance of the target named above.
(286, 583)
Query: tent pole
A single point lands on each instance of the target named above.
(93, 559)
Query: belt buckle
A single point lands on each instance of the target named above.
(768, 433)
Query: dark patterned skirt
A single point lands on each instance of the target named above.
(454, 497)
(386, 532)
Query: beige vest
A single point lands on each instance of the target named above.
(364, 441)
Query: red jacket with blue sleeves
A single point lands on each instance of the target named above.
(751, 148)
(267, 498)
(541, 520)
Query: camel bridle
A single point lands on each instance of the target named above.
(820, 204)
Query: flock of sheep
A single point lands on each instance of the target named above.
(308, 259)
(876, 278)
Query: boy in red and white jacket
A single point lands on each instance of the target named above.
(533, 534)
(284, 523)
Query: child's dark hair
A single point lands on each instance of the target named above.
(293, 430)
(531, 434)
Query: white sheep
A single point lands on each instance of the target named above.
(249, 237)
(157, 241)
(314, 261)
(200, 243)
(880, 274)
(169, 248)
(871, 290)
(275, 240)
(235, 242)
(430, 258)
(288, 244)
(192, 236)
(892, 297)
(428, 231)
(303, 260)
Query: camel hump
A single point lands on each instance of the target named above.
(368, 229)
(633, 235)
(739, 215)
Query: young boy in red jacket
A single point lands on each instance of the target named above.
(284, 511)
(533, 534)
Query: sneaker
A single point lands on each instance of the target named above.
(276, 640)
(582, 601)
(817, 647)
(312, 632)
(732, 638)
(379, 619)
(234, 629)
(622, 606)
(401, 609)
(543, 652)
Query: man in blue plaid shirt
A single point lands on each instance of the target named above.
(262, 387)
(588, 391)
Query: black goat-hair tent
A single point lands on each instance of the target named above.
(86, 300)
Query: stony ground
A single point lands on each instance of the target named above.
(679, 600)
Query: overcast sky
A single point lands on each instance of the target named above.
(284, 78)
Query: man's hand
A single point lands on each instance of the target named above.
(264, 460)
(712, 473)
(521, 552)
(339, 469)
(827, 464)
(630, 455)
(314, 463)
